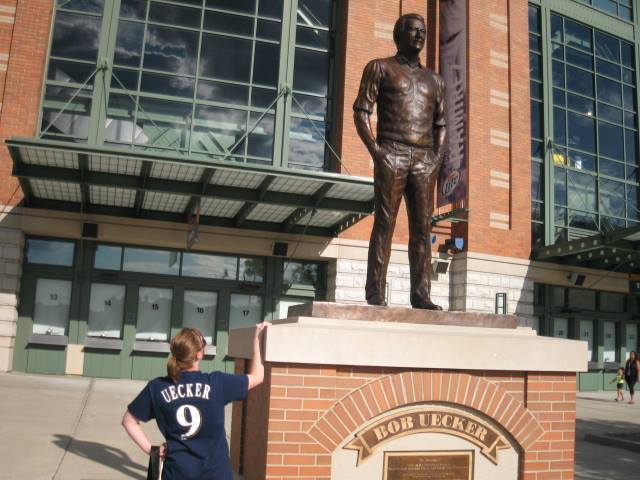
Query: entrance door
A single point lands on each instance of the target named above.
(105, 328)
(200, 310)
(609, 342)
(153, 332)
(632, 339)
(46, 350)
(586, 334)
(561, 327)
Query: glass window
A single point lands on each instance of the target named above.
(612, 302)
(557, 295)
(106, 310)
(151, 261)
(286, 302)
(314, 53)
(76, 36)
(537, 118)
(200, 310)
(51, 313)
(75, 41)
(174, 61)
(108, 257)
(593, 126)
(609, 342)
(251, 270)
(154, 313)
(50, 252)
(582, 299)
(209, 266)
(298, 273)
(620, 8)
(245, 310)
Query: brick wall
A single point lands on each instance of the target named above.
(552, 399)
(499, 129)
(313, 409)
(24, 39)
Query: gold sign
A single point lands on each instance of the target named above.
(434, 419)
(449, 465)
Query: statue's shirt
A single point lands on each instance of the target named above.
(410, 100)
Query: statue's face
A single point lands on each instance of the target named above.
(413, 36)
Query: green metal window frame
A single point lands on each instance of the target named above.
(101, 85)
(544, 225)
(623, 9)
(547, 311)
(121, 362)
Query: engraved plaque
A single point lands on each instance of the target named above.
(448, 465)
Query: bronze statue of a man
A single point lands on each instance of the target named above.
(407, 153)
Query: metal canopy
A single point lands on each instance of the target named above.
(105, 180)
(618, 251)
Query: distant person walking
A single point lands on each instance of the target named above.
(631, 372)
(188, 406)
(619, 379)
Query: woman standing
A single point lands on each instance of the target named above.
(631, 373)
(188, 406)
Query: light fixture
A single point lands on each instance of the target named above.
(501, 303)
(456, 244)
(439, 266)
(576, 278)
(280, 249)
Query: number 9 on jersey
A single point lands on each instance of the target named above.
(189, 417)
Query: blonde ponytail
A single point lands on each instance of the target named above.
(172, 368)
(184, 348)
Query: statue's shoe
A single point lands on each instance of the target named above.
(377, 302)
(426, 304)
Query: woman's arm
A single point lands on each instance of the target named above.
(132, 425)
(256, 367)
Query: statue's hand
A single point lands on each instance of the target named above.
(377, 152)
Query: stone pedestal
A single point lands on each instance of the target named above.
(351, 398)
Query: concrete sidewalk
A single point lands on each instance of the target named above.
(599, 414)
(68, 428)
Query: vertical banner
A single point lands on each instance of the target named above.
(452, 182)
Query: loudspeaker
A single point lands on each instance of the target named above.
(439, 266)
(90, 230)
(577, 279)
(280, 249)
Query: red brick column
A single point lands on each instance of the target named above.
(313, 409)
(24, 40)
(551, 397)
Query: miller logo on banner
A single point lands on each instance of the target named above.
(452, 182)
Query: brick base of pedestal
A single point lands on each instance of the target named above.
(291, 425)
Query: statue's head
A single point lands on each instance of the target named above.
(409, 33)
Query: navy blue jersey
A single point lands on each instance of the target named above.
(190, 415)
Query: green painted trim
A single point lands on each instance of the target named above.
(192, 189)
(17, 142)
(591, 16)
(108, 32)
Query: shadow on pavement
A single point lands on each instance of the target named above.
(596, 461)
(606, 425)
(100, 453)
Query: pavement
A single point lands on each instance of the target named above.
(598, 415)
(68, 428)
